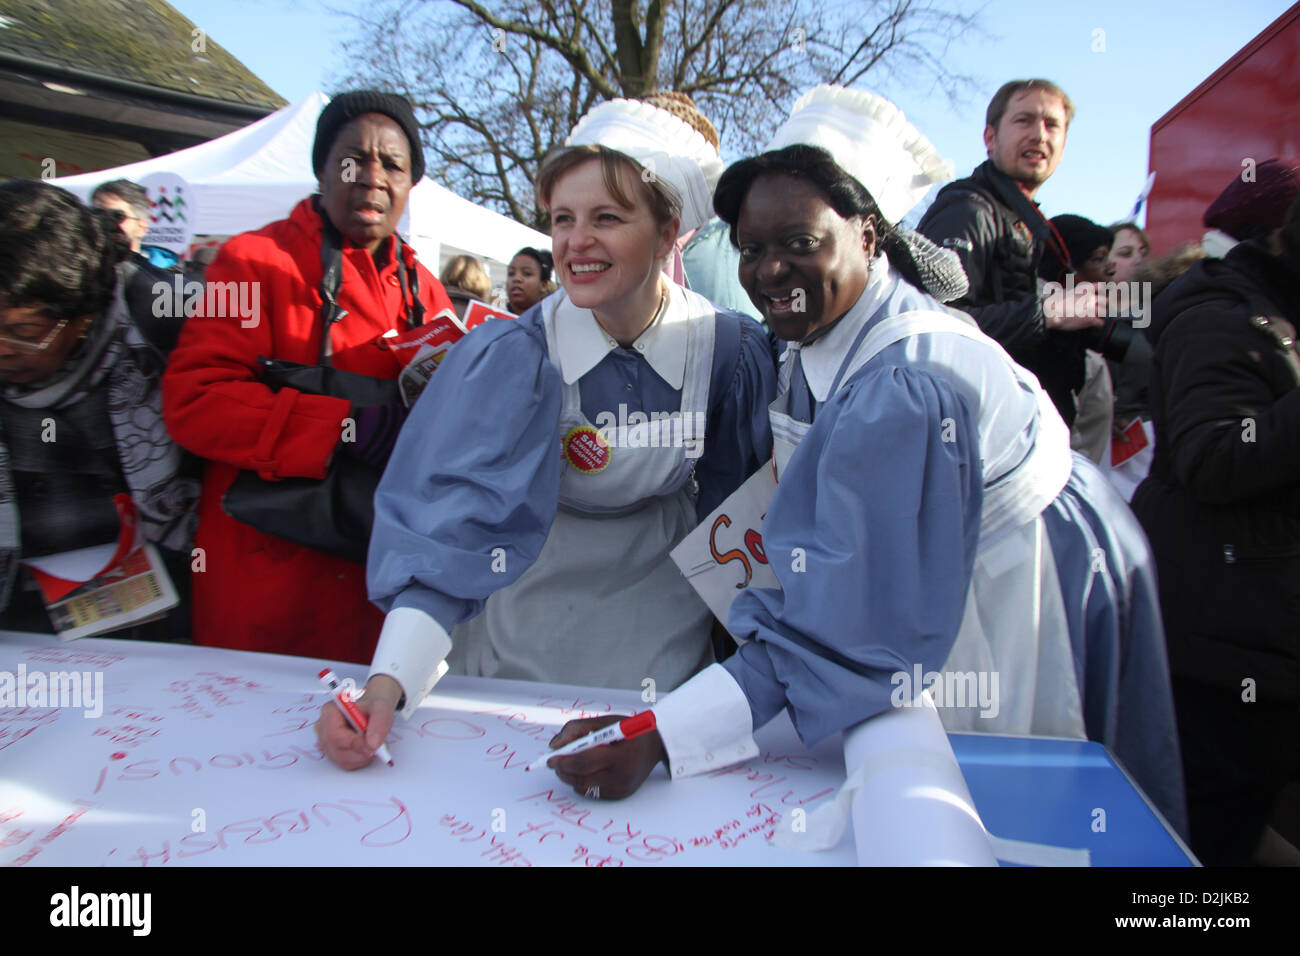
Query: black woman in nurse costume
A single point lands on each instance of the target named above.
(930, 518)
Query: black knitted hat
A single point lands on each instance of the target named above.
(348, 106)
(1082, 237)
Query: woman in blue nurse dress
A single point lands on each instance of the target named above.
(929, 520)
(523, 526)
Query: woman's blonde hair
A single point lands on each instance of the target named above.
(1132, 227)
(469, 274)
(664, 202)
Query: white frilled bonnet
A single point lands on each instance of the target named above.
(667, 146)
(871, 139)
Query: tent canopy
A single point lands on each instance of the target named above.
(255, 175)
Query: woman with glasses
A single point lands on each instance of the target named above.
(80, 406)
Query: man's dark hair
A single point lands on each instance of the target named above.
(133, 194)
(56, 253)
(846, 196)
(998, 105)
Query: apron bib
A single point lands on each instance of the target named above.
(604, 605)
(1014, 635)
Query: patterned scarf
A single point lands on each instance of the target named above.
(117, 357)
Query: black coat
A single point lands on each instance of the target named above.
(146, 288)
(1000, 236)
(1221, 505)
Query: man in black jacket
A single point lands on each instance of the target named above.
(1222, 510)
(143, 281)
(993, 224)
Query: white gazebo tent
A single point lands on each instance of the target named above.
(255, 175)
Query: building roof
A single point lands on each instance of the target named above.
(144, 42)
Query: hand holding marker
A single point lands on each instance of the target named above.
(625, 729)
(350, 710)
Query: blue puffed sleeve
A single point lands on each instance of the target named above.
(737, 436)
(872, 535)
(476, 469)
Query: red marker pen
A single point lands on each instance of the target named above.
(625, 729)
(350, 710)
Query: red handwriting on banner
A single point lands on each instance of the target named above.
(16, 837)
(592, 826)
(59, 655)
(303, 714)
(187, 766)
(395, 828)
(495, 849)
(759, 819)
(207, 691)
(574, 708)
(19, 722)
(593, 859)
(771, 787)
(305, 704)
(139, 726)
(510, 759)
(791, 761)
(519, 721)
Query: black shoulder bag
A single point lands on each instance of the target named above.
(337, 513)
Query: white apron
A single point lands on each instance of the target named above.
(604, 605)
(1014, 630)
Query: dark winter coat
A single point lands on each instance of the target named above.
(1222, 503)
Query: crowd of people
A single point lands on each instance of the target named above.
(938, 406)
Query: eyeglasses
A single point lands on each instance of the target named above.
(33, 345)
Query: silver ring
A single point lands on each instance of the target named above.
(593, 793)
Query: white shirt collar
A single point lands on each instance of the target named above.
(582, 343)
(823, 358)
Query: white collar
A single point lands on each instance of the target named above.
(582, 343)
(823, 358)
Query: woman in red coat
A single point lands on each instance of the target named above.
(253, 591)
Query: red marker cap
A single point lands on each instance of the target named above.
(638, 724)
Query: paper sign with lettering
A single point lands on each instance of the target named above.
(725, 555)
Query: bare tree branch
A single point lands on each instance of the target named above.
(498, 84)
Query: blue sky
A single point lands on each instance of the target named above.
(1155, 52)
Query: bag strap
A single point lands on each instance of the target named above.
(331, 260)
(414, 306)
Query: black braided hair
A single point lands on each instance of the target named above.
(846, 195)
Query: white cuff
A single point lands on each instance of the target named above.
(412, 650)
(706, 724)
